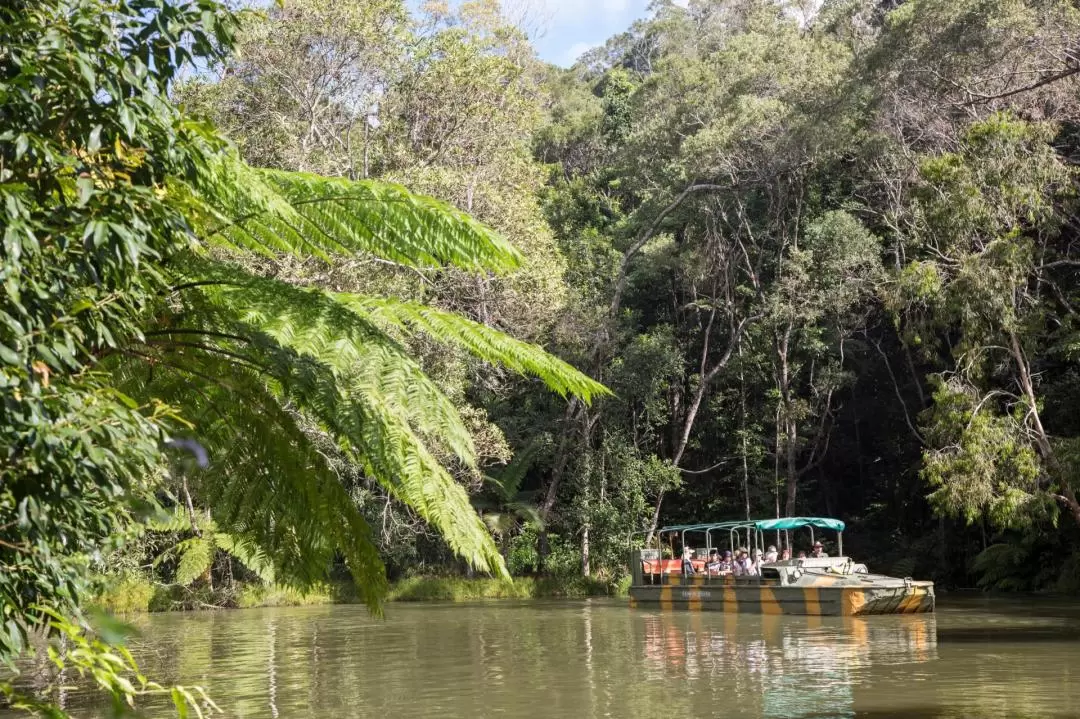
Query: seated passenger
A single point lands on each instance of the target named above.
(712, 567)
(756, 562)
(818, 551)
(687, 563)
(801, 555)
(743, 565)
(771, 555)
(786, 554)
(726, 565)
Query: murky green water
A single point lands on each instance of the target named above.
(979, 658)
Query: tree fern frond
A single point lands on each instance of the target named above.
(482, 341)
(268, 487)
(248, 554)
(508, 480)
(170, 520)
(314, 325)
(274, 211)
(394, 455)
(196, 557)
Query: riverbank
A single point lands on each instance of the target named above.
(134, 595)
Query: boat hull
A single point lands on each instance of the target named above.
(702, 595)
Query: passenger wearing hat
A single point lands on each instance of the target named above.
(817, 551)
(726, 565)
(771, 555)
(687, 564)
(756, 561)
(742, 563)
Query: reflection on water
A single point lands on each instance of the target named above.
(601, 659)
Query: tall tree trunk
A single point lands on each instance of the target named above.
(791, 456)
(1042, 440)
(707, 375)
(562, 456)
(585, 568)
(788, 420)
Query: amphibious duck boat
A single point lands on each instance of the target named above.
(827, 586)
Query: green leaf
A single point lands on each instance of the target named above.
(127, 119)
(273, 211)
(196, 557)
(94, 142)
(85, 187)
(9, 356)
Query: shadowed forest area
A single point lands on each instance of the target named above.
(347, 290)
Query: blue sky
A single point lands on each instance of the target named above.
(563, 29)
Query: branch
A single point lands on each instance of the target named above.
(704, 471)
(647, 234)
(896, 389)
(1034, 86)
(1060, 263)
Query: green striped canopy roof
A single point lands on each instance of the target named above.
(796, 522)
(763, 525)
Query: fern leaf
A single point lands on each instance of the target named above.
(305, 215)
(274, 314)
(508, 480)
(196, 557)
(489, 345)
(268, 485)
(248, 554)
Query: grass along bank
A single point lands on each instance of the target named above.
(130, 595)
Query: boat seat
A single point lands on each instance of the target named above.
(669, 566)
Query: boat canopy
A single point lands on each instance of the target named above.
(768, 525)
(762, 525)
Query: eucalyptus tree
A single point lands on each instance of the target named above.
(989, 257)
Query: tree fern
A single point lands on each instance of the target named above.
(261, 368)
(195, 554)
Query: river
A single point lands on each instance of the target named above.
(598, 658)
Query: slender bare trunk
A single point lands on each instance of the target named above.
(707, 376)
(1042, 440)
(586, 571)
(787, 421)
(791, 471)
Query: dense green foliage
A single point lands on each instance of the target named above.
(823, 261)
(835, 254)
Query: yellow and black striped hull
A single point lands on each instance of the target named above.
(823, 599)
